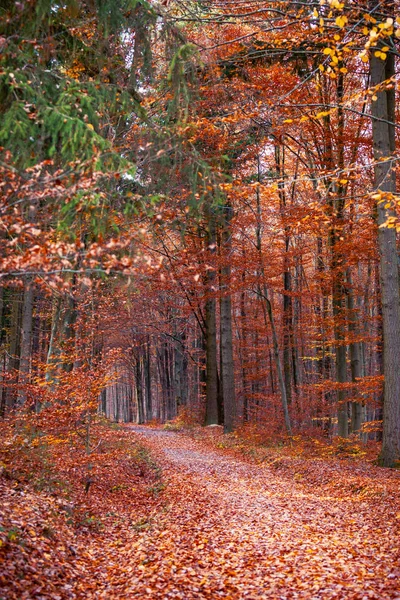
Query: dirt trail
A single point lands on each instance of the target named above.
(235, 530)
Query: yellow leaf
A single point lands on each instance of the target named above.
(90, 126)
(341, 21)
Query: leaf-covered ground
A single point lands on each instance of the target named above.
(216, 525)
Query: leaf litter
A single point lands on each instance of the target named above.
(206, 523)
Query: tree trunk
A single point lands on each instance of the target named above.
(267, 310)
(211, 364)
(3, 353)
(382, 110)
(147, 366)
(227, 364)
(212, 412)
(243, 353)
(139, 388)
(26, 343)
(355, 357)
(15, 348)
(287, 277)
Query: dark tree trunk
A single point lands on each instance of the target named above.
(382, 110)
(227, 364)
(26, 343)
(147, 367)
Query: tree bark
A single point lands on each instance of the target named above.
(15, 349)
(139, 388)
(147, 366)
(212, 412)
(267, 310)
(227, 363)
(382, 110)
(355, 357)
(26, 343)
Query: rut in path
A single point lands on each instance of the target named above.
(236, 530)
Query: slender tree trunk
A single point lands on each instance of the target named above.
(26, 343)
(15, 348)
(243, 352)
(139, 388)
(3, 355)
(355, 357)
(149, 403)
(52, 352)
(212, 412)
(211, 364)
(267, 310)
(287, 277)
(338, 269)
(227, 364)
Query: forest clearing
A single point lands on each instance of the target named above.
(199, 299)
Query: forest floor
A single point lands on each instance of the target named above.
(179, 515)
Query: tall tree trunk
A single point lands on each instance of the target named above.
(139, 388)
(267, 310)
(212, 412)
(287, 277)
(26, 343)
(15, 348)
(382, 110)
(227, 364)
(3, 354)
(338, 268)
(211, 364)
(243, 352)
(147, 366)
(355, 357)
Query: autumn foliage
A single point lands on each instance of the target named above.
(198, 227)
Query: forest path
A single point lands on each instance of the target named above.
(236, 530)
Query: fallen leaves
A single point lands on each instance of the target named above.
(223, 526)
